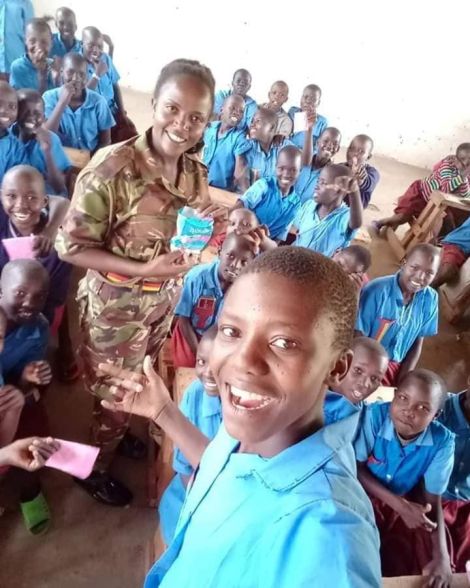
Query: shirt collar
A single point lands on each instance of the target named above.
(388, 432)
(210, 406)
(296, 463)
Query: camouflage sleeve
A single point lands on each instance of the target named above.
(197, 189)
(87, 222)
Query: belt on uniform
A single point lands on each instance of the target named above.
(147, 285)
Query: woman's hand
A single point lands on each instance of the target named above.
(29, 454)
(143, 395)
(167, 266)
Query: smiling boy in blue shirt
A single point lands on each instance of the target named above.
(224, 146)
(80, 116)
(64, 41)
(275, 501)
(324, 223)
(405, 459)
(34, 69)
(203, 292)
(241, 84)
(201, 406)
(456, 499)
(368, 367)
(273, 199)
(309, 102)
(11, 150)
(401, 309)
(42, 148)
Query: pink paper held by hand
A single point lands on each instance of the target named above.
(19, 247)
(75, 459)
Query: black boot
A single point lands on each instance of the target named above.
(103, 488)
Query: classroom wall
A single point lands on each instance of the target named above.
(396, 70)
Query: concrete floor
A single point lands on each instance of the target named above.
(92, 545)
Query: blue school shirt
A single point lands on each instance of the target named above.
(59, 271)
(324, 235)
(263, 163)
(400, 468)
(337, 407)
(272, 209)
(24, 344)
(11, 152)
(34, 156)
(306, 182)
(59, 49)
(220, 153)
(202, 296)
(460, 237)
(205, 413)
(106, 82)
(298, 138)
(455, 420)
(23, 74)
(250, 108)
(80, 128)
(14, 14)
(383, 315)
(250, 521)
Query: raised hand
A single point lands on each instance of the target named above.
(37, 372)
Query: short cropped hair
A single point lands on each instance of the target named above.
(431, 379)
(291, 151)
(40, 24)
(371, 345)
(362, 255)
(29, 94)
(330, 287)
(425, 249)
(268, 114)
(463, 146)
(313, 87)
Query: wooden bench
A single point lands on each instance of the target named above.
(421, 229)
(455, 296)
(79, 158)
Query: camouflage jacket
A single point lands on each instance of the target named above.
(122, 202)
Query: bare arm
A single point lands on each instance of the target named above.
(411, 358)
(355, 209)
(118, 98)
(58, 206)
(375, 488)
(242, 173)
(188, 332)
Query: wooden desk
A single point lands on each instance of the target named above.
(458, 581)
(223, 197)
(420, 230)
(183, 377)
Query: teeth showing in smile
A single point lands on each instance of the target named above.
(415, 284)
(29, 125)
(242, 399)
(357, 394)
(21, 217)
(234, 119)
(175, 138)
(4, 120)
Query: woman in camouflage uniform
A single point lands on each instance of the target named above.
(122, 216)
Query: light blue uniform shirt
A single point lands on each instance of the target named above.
(11, 153)
(324, 235)
(24, 344)
(460, 237)
(306, 182)
(80, 128)
(106, 82)
(202, 296)
(58, 48)
(205, 413)
(33, 155)
(400, 468)
(455, 420)
(14, 14)
(337, 407)
(264, 164)
(383, 315)
(300, 518)
(250, 108)
(272, 209)
(298, 138)
(220, 153)
(23, 74)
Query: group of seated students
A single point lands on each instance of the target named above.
(413, 454)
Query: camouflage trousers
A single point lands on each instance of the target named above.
(120, 325)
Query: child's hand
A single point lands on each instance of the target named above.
(439, 573)
(10, 398)
(66, 92)
(28, 454)
(311, 117)
(100, 67)
(37, 372)
(44, 139)
(346, 185)
(277, 140)
(414, 516)
(143, 395)
(212, 210)
(356, 279)
(42, 245)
